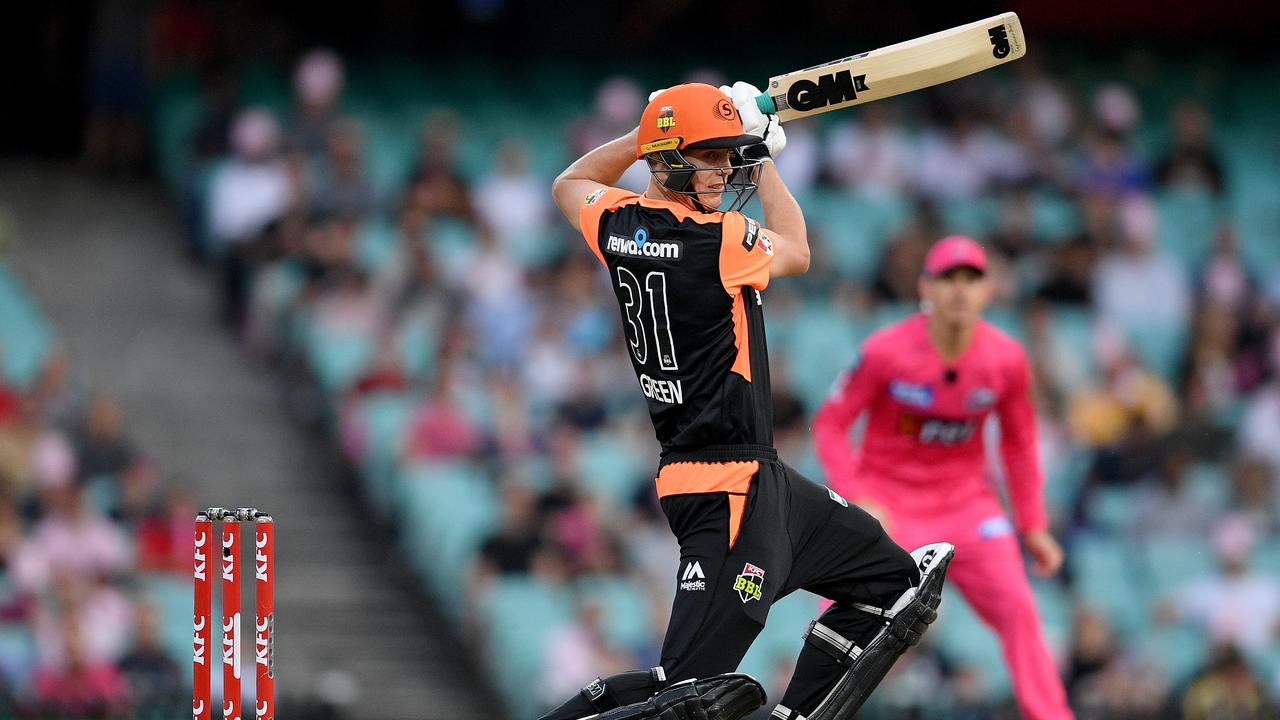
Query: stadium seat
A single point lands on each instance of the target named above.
(521, 614)
(1170, 563)
(962, 637)
(1188, 221)
(610, 469)
(445, 511)
(1106, 572)
(383, 417)
(1054, 219)
(626, 618)
(171, 596)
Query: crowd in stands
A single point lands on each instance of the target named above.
(93, 546)
(449, 331)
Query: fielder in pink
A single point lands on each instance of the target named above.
(927, 384)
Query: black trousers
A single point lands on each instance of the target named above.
(795, 534)
(791, 534)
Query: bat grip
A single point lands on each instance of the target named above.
(766, 104)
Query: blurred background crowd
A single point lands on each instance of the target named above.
(382, 235)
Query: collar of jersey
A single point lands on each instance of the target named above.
(680, 210)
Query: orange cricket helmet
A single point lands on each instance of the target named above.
(695, 116)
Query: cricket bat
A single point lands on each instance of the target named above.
(910, 65)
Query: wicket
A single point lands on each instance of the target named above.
(264, 615)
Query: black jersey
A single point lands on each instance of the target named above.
(688, 285)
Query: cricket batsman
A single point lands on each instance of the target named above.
(927, 384)
(689, 272)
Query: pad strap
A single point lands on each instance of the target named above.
(873, 610)
(599, 697)
(832, 643)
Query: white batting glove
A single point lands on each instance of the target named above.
(755, 122)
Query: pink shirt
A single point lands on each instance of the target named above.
(922, 453)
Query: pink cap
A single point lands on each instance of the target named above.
(952, 252)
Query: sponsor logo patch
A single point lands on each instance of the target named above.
(749, 583)
(994, 527)
(835, 497)
(907, 393)
(666, 119)
(595, 195)
(980, 399)
(639, 245)
(693, 579)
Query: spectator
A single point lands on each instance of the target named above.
(1137, 285)
(618, 103)
(1236, 606)
(578, 652)
(512, 201)
(79, 685)
(154, 680)
(871, 154)
(101, 449)
(246, 195)
(435, 185)
(1191, 163)
(1227, 690)
(341, 187)
(317, 85)
(1166, 506)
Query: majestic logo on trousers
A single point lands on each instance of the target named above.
(693, 579)
(749, 583)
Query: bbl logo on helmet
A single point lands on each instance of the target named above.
(749, 583)
(666, 118)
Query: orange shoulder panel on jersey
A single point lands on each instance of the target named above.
(732, 478)
(746, 252)
(593, 207)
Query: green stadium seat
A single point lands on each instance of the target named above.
(172, 597)
(375, 245)
(522, 613)
(824, 343)
(610, 469)
(445, 511)
(622, 602)
(1160, 347)
(1178, 651)
(1054, 219)
(18, 654)
(1172, 562)
(384, 418)
(961, 636)
(1106, 573)
(1188, 221)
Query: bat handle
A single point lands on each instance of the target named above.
(766, 104)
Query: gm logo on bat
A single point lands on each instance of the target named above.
(999, 42)
(843, 86)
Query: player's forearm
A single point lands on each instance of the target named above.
(782, 215)
(1026, 488)
(606, 163)
(834, 451)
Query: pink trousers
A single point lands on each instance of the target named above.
(988, 571)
